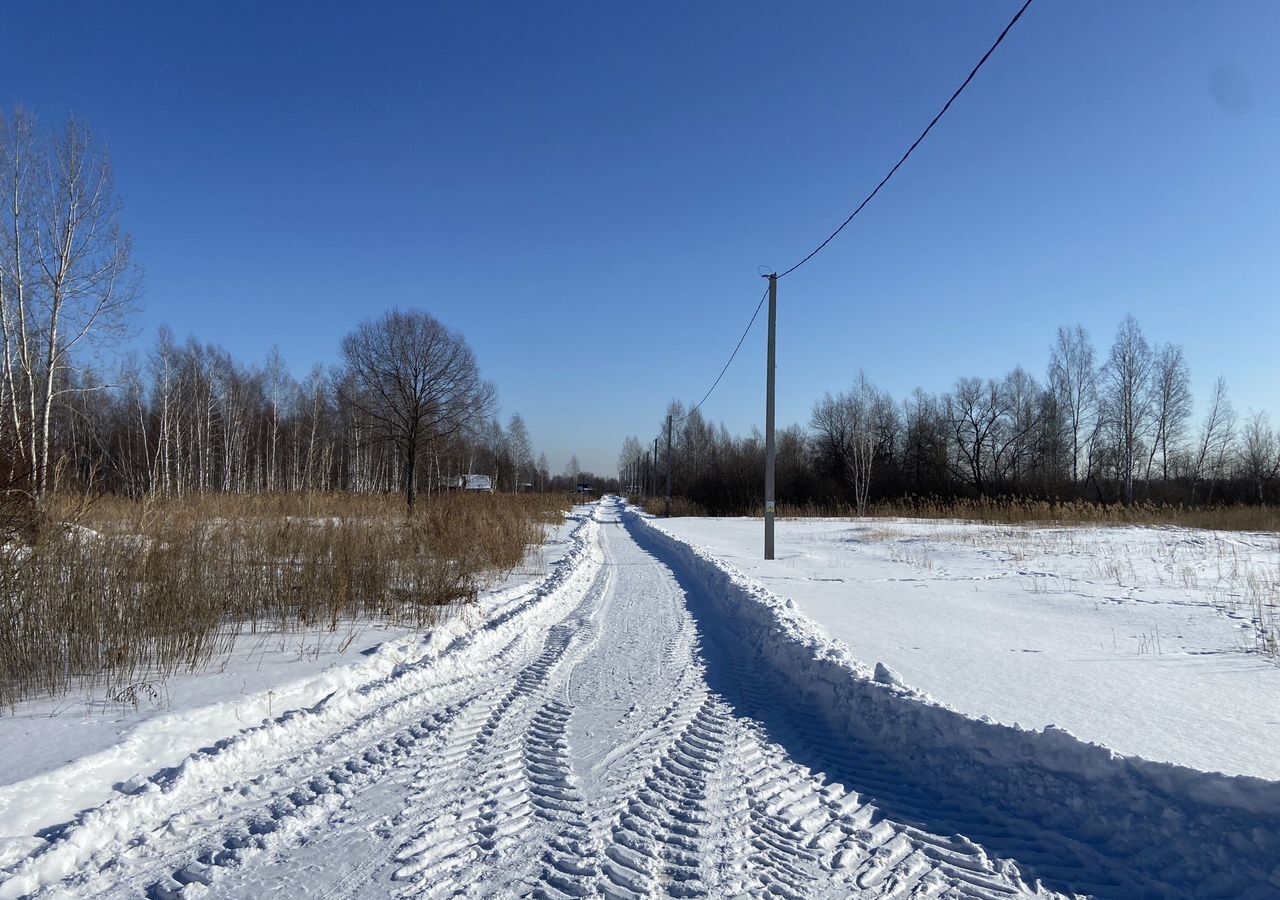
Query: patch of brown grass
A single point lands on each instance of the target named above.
(680, 506)
(1021, 511)
(138, 590)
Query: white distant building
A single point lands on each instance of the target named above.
(477, 483)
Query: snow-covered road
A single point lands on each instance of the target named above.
(644, 722)
(604, 737)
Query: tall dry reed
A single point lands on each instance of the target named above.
(1017, 511)
(134, 591)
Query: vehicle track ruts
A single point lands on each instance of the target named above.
(621, 741)
(874, 844)
(187, 827)
(492, 793)
(809, 832)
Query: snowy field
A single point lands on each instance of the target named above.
(1145, 640)
(637, 716)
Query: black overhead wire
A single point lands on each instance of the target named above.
(727, 364)
(869, 197)
(928, 128)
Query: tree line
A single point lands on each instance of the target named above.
(406, 409)
(1111, 429)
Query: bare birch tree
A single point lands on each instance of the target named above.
(69, 276)
(845, 431)
(521, 451)
(1171, 406)
(1073, 377)
(1126, 394)
(1216, 438)
(1261, 453)
(18, 160)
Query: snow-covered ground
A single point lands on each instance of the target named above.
(642, 720)
(59, 756)
(1141, 639)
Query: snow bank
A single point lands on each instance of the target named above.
(1130, 826)
(1141, 639)
(360, 702)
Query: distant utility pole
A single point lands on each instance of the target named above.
(668, 511)
(653, 470)
(770, 449)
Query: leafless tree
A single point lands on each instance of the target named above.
(544, 472)
(972, 412)
(1021, 407)
(925, 452)
(1073, 377)
(69, 279)
(1126, 395)
(1261, 453)
(1217, 437)
(992, 427)
(629, 462)
(18, 162)
(278, 387)
(491, 450)
(521, 451)
(844, 428)
(1171, 406)
(413, 381)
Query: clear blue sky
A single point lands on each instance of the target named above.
(587, 190)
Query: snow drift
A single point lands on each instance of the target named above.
(397, 688)
(1078, 815)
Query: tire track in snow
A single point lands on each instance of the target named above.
(725, 811)
(809, 833)
(297, 798)
(621, 742)
(287, 816)
(277, 808)
(570, 864)
(877, 854)
(507, 795)
(290, 774)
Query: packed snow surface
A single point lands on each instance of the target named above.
(1141, 639)
(644, 720)
(59, 756)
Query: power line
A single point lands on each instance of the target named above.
(934, 121)
(731, 356)
(928, 128)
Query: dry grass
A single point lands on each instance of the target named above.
(1262, 595)
(1020, 511)
(680, 506)
(135, 591)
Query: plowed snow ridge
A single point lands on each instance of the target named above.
(647, 723)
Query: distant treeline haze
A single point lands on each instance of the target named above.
(1115, 428)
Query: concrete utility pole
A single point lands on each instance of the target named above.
(668, 510)
(770, 449)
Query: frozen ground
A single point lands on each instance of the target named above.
(644, 721)
(63, 755)
(1142, 639)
